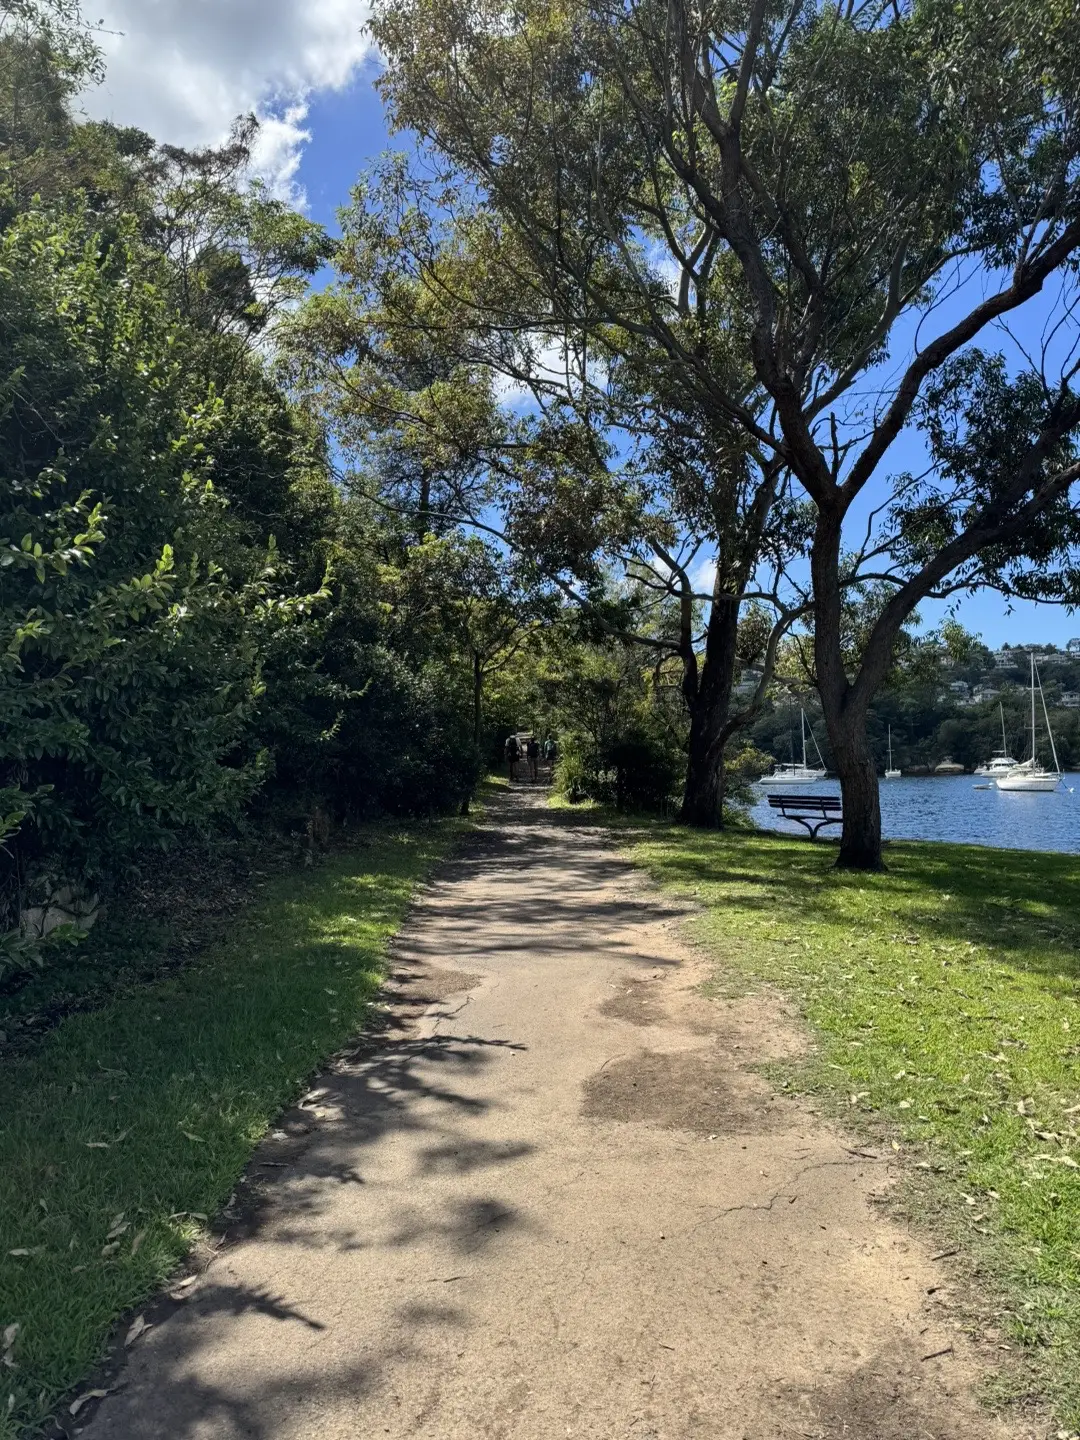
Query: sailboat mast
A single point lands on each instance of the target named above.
(1004, 742)
(1049, 731)
(802, 717)
(1033, 761)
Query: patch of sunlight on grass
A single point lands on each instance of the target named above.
(128, 1122)
(945, 996)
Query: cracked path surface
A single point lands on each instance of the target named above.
(555, 1200)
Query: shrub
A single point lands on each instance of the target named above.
(129, 658)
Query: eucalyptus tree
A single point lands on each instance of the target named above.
(832, 201)
(459, 390)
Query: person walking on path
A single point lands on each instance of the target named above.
(532, 750)
(513, 754)
(550, 755)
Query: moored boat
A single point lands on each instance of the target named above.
(1030, 776)
(795, 774)
(890, 773)
(1002, 762)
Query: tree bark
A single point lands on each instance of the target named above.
(478, 697)
(860, 844)
(703, 795)
(844, 708)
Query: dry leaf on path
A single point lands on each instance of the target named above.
(84, 1399)
(139, 1327)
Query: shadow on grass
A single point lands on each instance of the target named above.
(1025, 905)
(126, 1126)
(179, 1080)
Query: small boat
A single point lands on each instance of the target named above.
(948, 766)
(890, 773)
(803, 774)
(1030, 775)
(1002, 762)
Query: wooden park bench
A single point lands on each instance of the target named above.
(810, 811)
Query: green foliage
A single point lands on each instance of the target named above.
(130, 655)
(47, 55)
(617, 743)
(197, 627)
(150, 1107)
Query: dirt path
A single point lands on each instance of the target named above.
(554, 1201)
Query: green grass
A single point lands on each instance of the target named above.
(128, 1124)
(945, 996)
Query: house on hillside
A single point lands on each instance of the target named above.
(1073, 647)
(1070, 699)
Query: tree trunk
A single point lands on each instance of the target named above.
(478, 715)
(703, 796)
(860, 844)
(478, 697)
(844, 709)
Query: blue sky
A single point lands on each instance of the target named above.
(347, 129)
(182, 69)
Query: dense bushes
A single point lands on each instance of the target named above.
(130, 655)
(634, 770)
(188, 607)
(197, 627)
(621, 736)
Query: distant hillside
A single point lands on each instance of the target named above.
(956, 714)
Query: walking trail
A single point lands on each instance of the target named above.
(554, 1198)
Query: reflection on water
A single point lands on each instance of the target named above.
(939, 807)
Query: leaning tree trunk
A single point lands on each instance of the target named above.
(703, 795)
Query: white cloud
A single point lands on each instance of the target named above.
(703, 574)
(182, 69)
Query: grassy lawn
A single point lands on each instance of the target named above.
(128, 1126)
(945, 995)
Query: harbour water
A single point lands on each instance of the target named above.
(939, 807)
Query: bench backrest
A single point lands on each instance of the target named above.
(820, 804)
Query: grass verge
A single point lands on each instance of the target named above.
(129, 1126)
(945, 996)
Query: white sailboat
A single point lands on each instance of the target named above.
(1002, 762)
(803, 774)
(1030, 775)
(890, 773)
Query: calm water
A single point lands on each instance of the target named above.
(950, 808)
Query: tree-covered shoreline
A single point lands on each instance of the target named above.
(952, 714)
